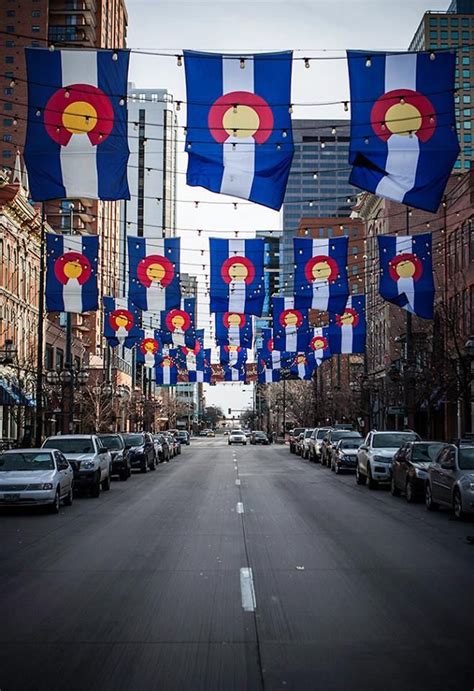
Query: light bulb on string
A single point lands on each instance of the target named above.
(179, 60)
(306, 63)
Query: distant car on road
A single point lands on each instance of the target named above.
(344, 454)
(293, 436)
(141, 450)
(120, 460)
(374, 457)
(237, 436)
(183, 437)
(90, 460)
(410, 468)
(35, 477)
(451, 480)
(305, 443)
(315, 442)
(162, 448)
(331, 439)
(259, 438)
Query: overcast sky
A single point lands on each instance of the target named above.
(321, 28)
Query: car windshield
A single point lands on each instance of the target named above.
(392, 440)
(350, 444)
(308, 433)
(298, 431)
(114, 443)
(260, 434)
(159, 437)
(182, 434)
(466, 459)
(236, 431)
(321, 433)
(342, 433)
(26, 461)
(70, 445)
(134, 439)
(426, 453)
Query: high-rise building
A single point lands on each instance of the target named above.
(152, 164)
(317, 185)
(454, 28)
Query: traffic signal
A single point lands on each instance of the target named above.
(229, 411)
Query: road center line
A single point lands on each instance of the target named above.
(237, 482)
(247, 591)
(240, 507)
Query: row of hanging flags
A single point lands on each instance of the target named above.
(237, 294)
(239, 140)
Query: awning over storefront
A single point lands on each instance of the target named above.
(10, 395)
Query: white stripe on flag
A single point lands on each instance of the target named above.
(404, 244)
(233, 335)
(403, 151)
(166, 375)
(320, 288)
(78, 158)
(237, 289)
(149, 359)
(239, 161)
(291, 338)
(301, 371)
(156, 293)
(72, 290)
(268, 376)
(346, 338)
(178, 338)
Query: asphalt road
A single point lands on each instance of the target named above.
(263, 572)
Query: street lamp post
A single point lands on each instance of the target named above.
(69, 378)
(469, 346)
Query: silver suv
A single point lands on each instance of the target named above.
(451, 480)
(374, 457)
(90, 460)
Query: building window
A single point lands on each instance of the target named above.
(433, 21)
(454, 35)
(49, 357)
(7, 137)
(59, 359)
(466, 99)
(454, 22)
(465, 60)
(35, 28)
(467, 138)
(467, 165)
(6, 153)
(443, 22)
(8, 106)
(434, 34)
(444, 35)
(9, 59)
(7, 122)
(10, 29)
(465, 22)
(465, 35)
(9, 44)
(8, 91)
(467, 125)
(35, 13)
(466, 74)
(10, 13)
(467, 112)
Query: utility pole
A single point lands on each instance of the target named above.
(409, 360)
(40, 336)
(68, 385)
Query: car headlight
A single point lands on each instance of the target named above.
(41, 485)
(471, 485)
(87, 465)
(119, 456)
(381, 459)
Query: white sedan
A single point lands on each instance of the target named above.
(237, 436)
(33, 477)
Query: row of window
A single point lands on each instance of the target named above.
(453, 35)
(35, 28)
(453, 22)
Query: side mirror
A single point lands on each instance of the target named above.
(102, 451)
(363, 448)
(448, 465)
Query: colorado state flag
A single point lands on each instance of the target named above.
(347, 331)
(71, 273)
(267, 375)
(234, 328)
(403, 126)
(154, 273)
(304, 365)
(76, 140)
(319, 344)
(406, 272)
(177, 325)
(149, 348)
(239, 139)
(321, 273)
(166, 371)
(290, 326)
(237, 283)
(121, 322)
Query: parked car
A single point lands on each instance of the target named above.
(35, 477)
(247, 432)
(172, 444)
(120, 460)
(451, 480)
(305, 442)
(141, 450)
(331, 439)
(211, 433)
(345, 426)
(410, 468)
(183, 437)
(374, 457)
(90, 460)
(158, 448)
(176, 442)
(204, 432)
(315, 442)
(236, 436)
(162, 447)
(344, 454)
(293, 435)
(259, 437)
(299, 444)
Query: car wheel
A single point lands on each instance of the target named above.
(457, 505)
(430, 504)
(360, 478)
(373, 484)
(106, 483)
(70, 497)
(395, 492)
(410, 492)
(95, 489)
(54, 506)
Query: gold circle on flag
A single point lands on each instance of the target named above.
(347, 319)
(238, 271)
(291, 319)
(155, 272)
(321, 271)
(403, 118)
(241, 121)
(405, 269)
(178, 321)
(234, 320)
(149, 346)
(72, 269)
(79, 117)
(121, 320)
